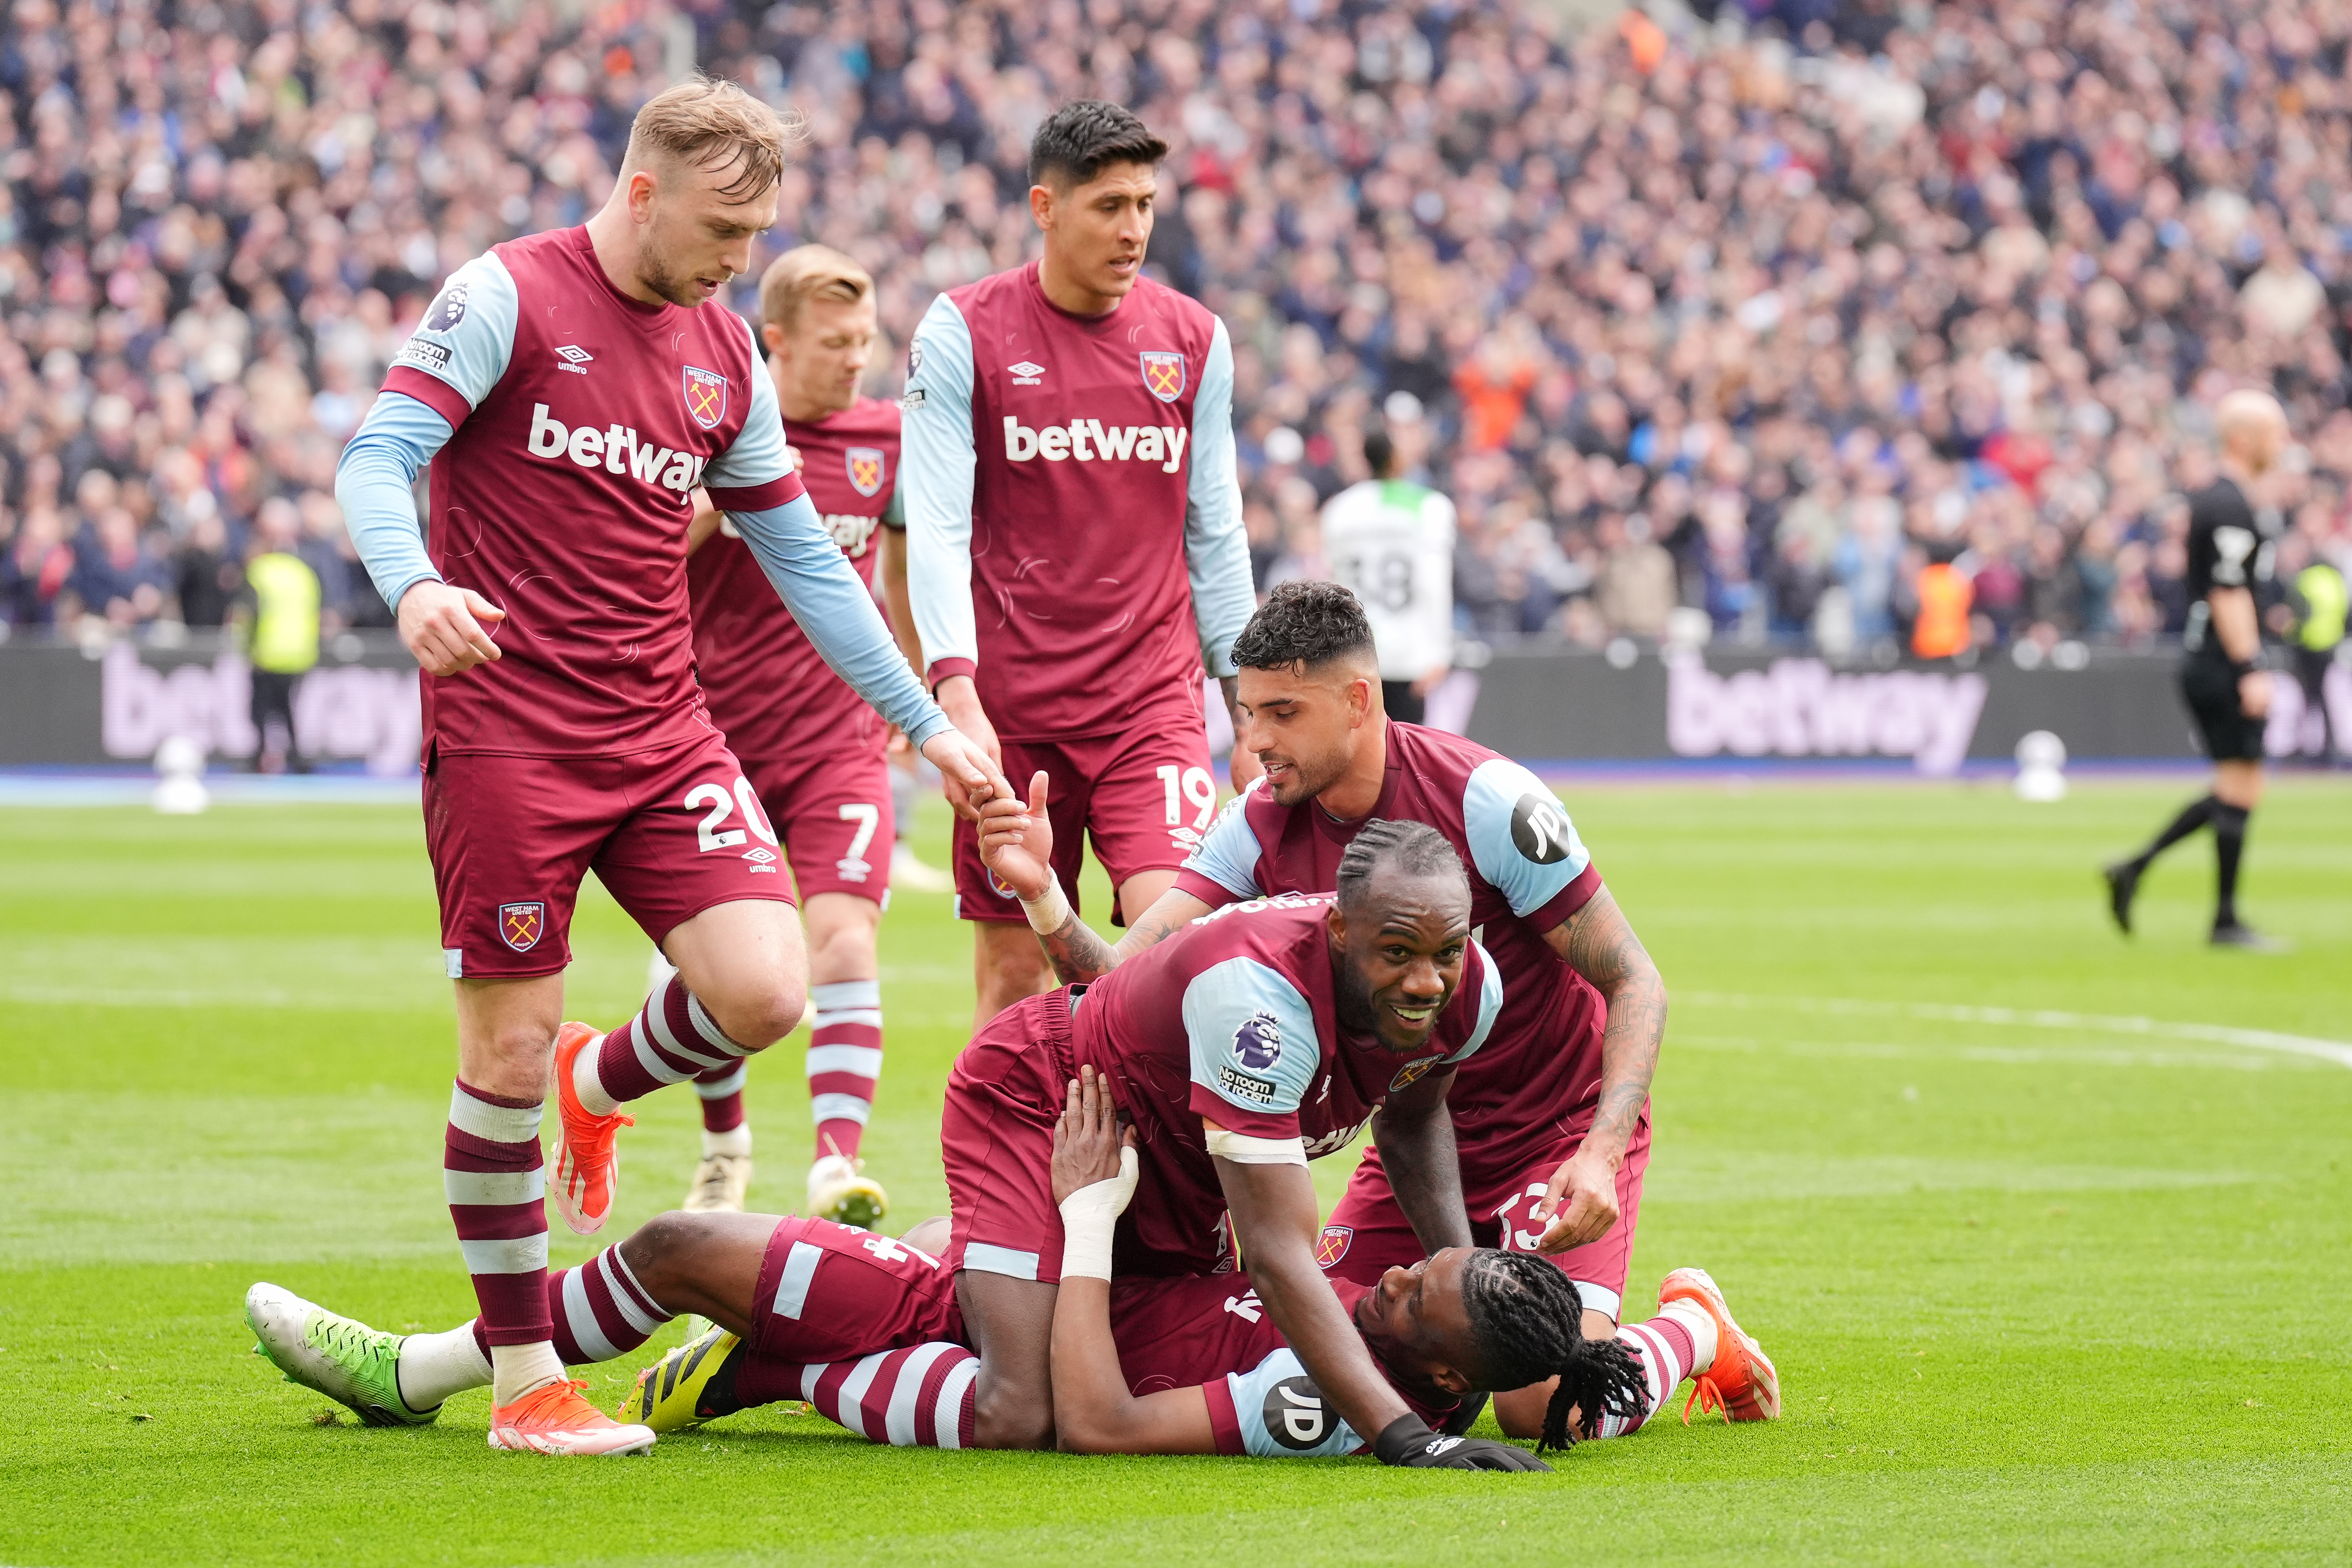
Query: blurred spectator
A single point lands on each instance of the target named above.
(205, 579)
(1868, 278)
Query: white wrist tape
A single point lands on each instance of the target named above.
(1048, 914)
(1089, 1217)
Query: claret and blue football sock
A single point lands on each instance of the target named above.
(921, 1397)
(845, 1062)
(671, 1039)
(492, 1175)
(1679, 1343)
(599, 1312)
(724, 1129)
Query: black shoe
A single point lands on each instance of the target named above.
(2122, 886)
(2248, 938)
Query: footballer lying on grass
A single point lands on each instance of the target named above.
(865, 1328)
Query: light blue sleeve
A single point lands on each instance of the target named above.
(936, 459)
(1253, 1036)
(1216, 547)
(376, 484)
(1284, 1416)
(1228, 852)
(824, 595)
(758, 455)
(467, 334)
(1490, 1003)
(1520, 835)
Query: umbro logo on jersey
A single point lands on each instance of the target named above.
(1027, 375)
(573, 359)
(1090, 440)
(617, 448)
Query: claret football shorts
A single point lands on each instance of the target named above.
(1369, 1233)
(834, 815)
(669, 833)
(1144, 796)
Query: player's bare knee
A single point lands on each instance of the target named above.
(658, 1249)
(757, 1017)
(1008, 1418)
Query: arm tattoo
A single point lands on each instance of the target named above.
(1597, 943)
(1080, 957)
(1076, 953)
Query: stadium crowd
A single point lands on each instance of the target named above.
(1758, 316)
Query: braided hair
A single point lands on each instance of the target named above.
(1410, 848)
(1529, 1323)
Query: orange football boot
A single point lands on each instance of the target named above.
(1742, 1383)
(556, 1418)
(587, 1163)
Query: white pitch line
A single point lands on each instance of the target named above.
(2335, 1051)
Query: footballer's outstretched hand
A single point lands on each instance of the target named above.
(968, 770)
(1580, 1202)
(441, 625)
(1016, 841)
(1408, 1441)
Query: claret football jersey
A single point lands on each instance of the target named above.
(1073, 509)
(583, 419)
(768, 686)
(1529, 872)
(1236, 1021)
(1210, 1330)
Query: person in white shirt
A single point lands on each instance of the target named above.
(1391, 542)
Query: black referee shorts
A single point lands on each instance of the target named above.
(2211, 693)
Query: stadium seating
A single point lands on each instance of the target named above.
(1799, 295)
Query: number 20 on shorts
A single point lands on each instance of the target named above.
(712, 831)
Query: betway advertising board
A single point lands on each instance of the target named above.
(63, 706)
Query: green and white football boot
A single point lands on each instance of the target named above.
(354, 1365)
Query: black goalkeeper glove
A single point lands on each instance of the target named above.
(1465, 1416)
(1407, 1441)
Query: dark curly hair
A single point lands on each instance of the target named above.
(1529, 1323)
(1081, 139)
(1303, 623)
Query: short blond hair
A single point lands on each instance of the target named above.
(703, 123)
(809, 272)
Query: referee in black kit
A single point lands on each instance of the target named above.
(2231, 544)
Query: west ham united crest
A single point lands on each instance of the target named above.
(1332, 1245)
(1163, 375)
(519, 925)
(705, 396)
(865, 470)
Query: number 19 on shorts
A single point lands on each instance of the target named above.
(1184, 786)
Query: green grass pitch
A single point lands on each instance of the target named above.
(2062, 1288)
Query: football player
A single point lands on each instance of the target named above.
(1075, 555)
(1552, 1119)
(864, 1328)
(569, 391)
(815, 753)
